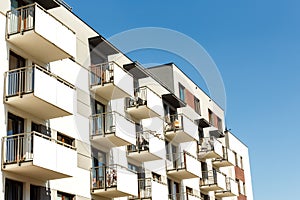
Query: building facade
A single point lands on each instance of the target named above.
(80, 120)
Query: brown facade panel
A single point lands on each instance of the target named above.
(189, 98)
(242, 197)
(239, 173)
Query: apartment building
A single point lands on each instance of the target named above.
(80, 120)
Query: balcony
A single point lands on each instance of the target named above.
(212, 181)
(183, 166)
(231, 189)
(210, 148)
(180, 129)
(112, 130)
(228, 159)
(39, 92)
(113, 182)
(110, 81)
(148, 147)
(184, 196)
(145, 104)
(38, 156)
(151, 189)
(34, 30)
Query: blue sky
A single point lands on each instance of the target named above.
(256, 46)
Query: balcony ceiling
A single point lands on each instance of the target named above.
(48, 4)
(173, 100)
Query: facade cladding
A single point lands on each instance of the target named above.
(81, 121)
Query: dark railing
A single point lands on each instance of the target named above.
(174, 122)
(142, 141)
(207, 144)
(139, 99)
(104, 177)
(178, 160)
(102, 74)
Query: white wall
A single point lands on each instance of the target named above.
(241, 149)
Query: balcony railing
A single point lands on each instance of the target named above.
(112, 125)
(184, 196)
(52, 96)
(183, 166)
(148, 147)
(145, 104)
(210, 148)
(212, 181)
(31, 149)
(35, 30)
(111, 81)
(142, 142)
(231, 189)
(227, 159)
(112, 181)
(151, 188)
(180, 128)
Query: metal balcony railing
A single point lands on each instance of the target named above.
(207, 144)
(174, 122)
(104, 177)
(19, 148)
(140, 98)
(101, 74)
(178, 160)
(21, 81)
(22, 19)
(105, 123)
(142, 141)
(209, 178)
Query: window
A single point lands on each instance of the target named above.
(197, 105)
(13, 190)
(65, 196)
(181, 92)
(156, 177)
(40, 128)
(215, 120)
(211, 117)
(39, 192)
(65, 139)
(133, 167)
(204, 196)
(241, 160)
(189, 190)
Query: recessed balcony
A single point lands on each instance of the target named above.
(231, 189)
(110, 81)
(112, 130)
(34, 30)
(210, 148)
(179, 128)
(145, 104)
(183, 166)
(39, 92)
(228, 159)
(212, 181)
(113, 182)
(38, 156)
(148, 147)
